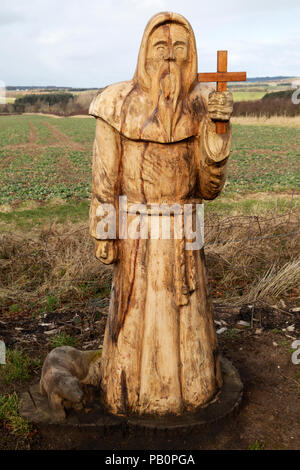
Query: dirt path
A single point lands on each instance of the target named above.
(32, 138)
(63, 138)
(32, 134)
(57, 139)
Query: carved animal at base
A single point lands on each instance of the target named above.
(63, 374)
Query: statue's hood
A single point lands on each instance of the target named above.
(127, 106)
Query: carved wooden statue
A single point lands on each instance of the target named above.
(157, 144)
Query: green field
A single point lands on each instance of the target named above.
(264, 158)
(247, 95)
(46, 161)
(41, 163)
(9, 99)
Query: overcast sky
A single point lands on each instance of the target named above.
(93, 43)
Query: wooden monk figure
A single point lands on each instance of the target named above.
(156, 143)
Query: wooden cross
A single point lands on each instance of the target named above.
(222, 77)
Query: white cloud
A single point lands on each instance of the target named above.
(51, 37)
(96, 42)
(159, 4)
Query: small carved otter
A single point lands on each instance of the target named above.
(64, 371)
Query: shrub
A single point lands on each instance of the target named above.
(278, 103)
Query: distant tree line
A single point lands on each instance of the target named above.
(61, 104)
(277, 103)
(42, 101)
(67, 104)
(46, 88)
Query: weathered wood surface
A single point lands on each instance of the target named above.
(221, 85)
(156, 142)
(222, 77)
(206, 77)
(35, 408)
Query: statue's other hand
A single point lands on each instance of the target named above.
(220, 105)
(106, 251)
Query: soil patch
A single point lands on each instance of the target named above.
(270, 408)
(62, 138)
(32, 134)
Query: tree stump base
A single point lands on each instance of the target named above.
(35, 408)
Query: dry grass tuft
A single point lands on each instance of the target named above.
(275, 282)
(253, 258)
(281, 121)
(58, 261)
(248, 259)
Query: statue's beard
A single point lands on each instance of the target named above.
(166, 93)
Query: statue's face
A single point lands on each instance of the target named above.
(169, 42)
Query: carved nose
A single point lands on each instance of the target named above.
(171, 55)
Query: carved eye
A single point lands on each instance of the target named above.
(179, 49)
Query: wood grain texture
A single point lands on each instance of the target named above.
(221, 77)
(221, 85)
(157, 144)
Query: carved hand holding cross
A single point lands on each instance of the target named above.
(220, 105)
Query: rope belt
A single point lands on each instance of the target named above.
(184, 268)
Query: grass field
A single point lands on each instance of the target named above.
(46, 159)
(9, 99)
(247, 95)
(45, 171)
